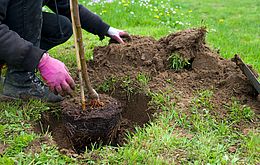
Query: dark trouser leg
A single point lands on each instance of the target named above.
(25, 18)
(53, 32)
(25, 85)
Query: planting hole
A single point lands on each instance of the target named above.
(134, 113)
(136, 109)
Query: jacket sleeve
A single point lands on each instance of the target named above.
(89, 21)
(14, 50)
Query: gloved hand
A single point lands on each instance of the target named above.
(116, 34)
(56, 75)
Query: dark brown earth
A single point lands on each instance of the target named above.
(36, 145)
(73, 129)
(208, 70)
(3, 147)
(146, 55)
(92, 125)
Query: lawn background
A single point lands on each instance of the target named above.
(233, 27)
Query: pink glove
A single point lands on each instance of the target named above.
(56, 75)
(117, 34)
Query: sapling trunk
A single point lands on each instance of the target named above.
(81, 62)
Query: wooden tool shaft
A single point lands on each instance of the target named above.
(80, 48)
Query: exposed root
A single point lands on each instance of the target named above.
(96, 103)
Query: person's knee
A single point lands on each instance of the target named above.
(66, 27)
(55, 30)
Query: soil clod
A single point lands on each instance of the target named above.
(98, 124)
(146, 55)
(208, 70)
(74, 129)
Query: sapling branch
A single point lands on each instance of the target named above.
(81, 62)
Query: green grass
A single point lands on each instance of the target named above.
(233, 26)
(175, 136)
(177, 62)
(143, 80)
(238, 112)
(198, 139)
(107, 85)
(16, 123)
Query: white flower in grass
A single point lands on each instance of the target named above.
(226, 157)
(179, 22)
(212, 30)
(188, 24)
(96, 1)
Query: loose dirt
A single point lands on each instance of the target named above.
(142, 54)
(36, 145)
(147, 55)
(73, 129)
(3, 147)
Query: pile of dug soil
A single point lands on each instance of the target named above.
(207, 71)
(146, 55)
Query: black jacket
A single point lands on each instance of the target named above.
(20, 53)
